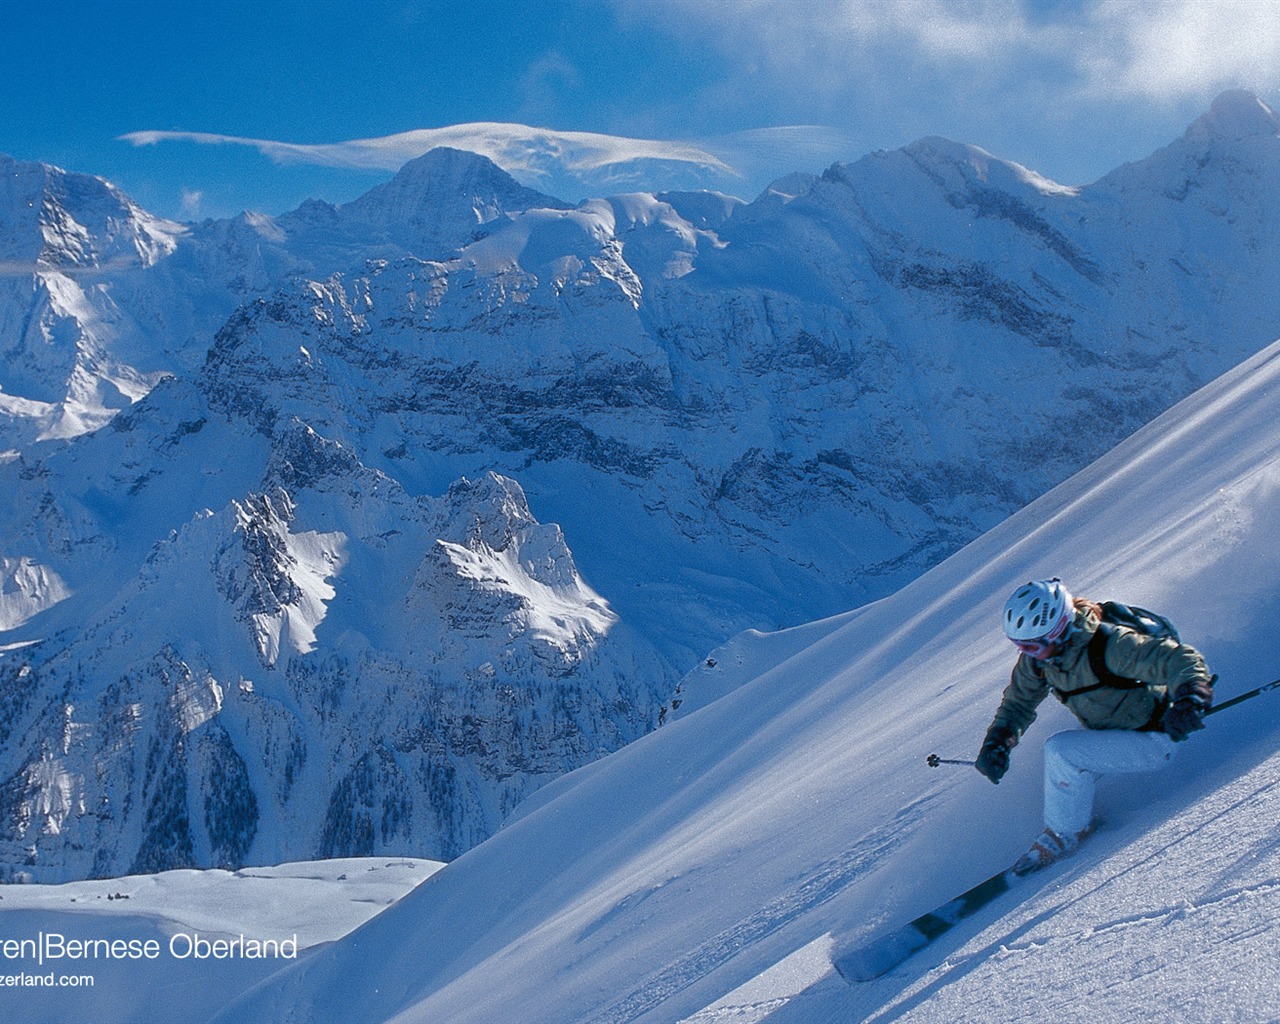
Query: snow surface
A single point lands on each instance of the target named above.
(315, 902)
(707, 872)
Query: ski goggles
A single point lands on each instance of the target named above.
(1049, 645)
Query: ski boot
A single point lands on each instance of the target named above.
(1049, 848)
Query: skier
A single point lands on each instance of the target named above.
(1136, 695)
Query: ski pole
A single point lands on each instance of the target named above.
(933, 760)
(1242, 697)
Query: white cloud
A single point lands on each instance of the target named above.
(566, 163)
(1185, 48)
(946, 29)
(192, 200)
(545, 82)
(807, 39)
(519, 149)
(1169, 50)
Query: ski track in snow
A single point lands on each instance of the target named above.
(1162, 916)
(1170, 913)
(823, 884)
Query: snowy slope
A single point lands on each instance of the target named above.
(310, 903)
(705, 872)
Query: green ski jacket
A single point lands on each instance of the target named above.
(1162, 664)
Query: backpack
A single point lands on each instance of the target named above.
(1114, 614)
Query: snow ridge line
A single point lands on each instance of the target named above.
(823, 884)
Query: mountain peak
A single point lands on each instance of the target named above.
(1228, 146)
(444, 177)
(447, 164)
(1237, 114)
(65, 219)
(435, 204)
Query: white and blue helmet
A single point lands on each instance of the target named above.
(1042, 610)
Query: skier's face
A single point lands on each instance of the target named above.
(1049, 646)
(1041, 650)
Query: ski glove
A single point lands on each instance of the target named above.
(993, 758)
(1186, 714)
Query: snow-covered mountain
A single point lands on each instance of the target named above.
(71, 356)
(712, 868)
(322, 663)
(101, 299)
(739, 414)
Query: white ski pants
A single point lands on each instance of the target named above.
(1073, 761)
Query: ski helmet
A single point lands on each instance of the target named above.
(1038, 611)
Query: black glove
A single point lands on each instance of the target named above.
(1186, 714)
(993, 758)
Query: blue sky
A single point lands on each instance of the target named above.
(1070, 88)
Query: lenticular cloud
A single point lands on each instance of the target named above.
(514, 147)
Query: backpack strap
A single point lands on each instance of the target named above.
(1097, 653)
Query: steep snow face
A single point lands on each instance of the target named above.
(75, 222)
(714, 866)
(65, 238)
(70, 352)
(275, 579)
(26, 589)
(1204, 191)
(507, 570)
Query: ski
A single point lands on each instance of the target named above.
(884, 953)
